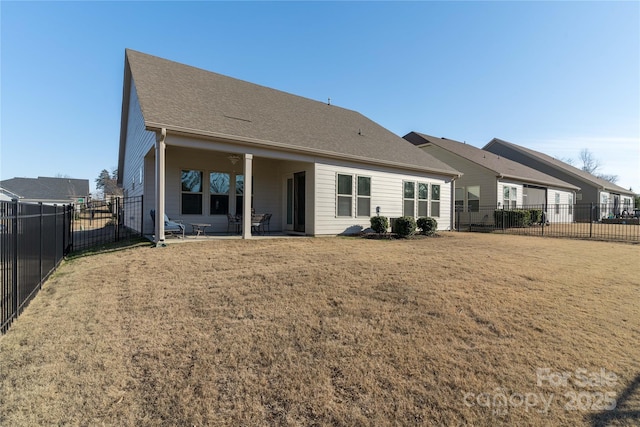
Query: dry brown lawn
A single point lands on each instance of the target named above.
(463, 329)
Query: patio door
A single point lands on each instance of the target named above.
(298, 201)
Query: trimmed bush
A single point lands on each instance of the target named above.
(404, 226)
(512, 218)
(428, 225)
(379, 224)
(535, 216)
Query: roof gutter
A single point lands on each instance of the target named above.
(156, 127)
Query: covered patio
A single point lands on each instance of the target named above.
(203, 185)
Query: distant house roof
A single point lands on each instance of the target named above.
(186, 99)
(45, 188)
(560, 165)
(501, 166)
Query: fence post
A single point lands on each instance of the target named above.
(590, 219)
(141, 216)
(41, 241)
(503, 218)
(14, 232)
(543, 219)
(115, 215)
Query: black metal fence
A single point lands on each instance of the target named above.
(101, 222)
(583, 221)
(35, 237)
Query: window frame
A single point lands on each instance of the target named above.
(362, 196)
(423, 201)
(435, 201)
(344, 196)
(184, 192)
(470, 208)
(217, 195)
(406, 199)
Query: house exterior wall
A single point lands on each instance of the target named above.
(473, 175)
(560, 206)
(135, 173)
(271, 169)
(511, 185)
(386, 193)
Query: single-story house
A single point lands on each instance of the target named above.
(201, 146)
(493, 181)
(608, 198)
(46, 190)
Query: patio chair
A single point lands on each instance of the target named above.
(266, 223)
(171, 227)
(235, 221)
(256, 222)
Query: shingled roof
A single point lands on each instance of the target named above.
(46, 188)
(501, 166)
(559, 164)
(199, 102)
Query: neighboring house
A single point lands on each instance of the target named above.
(609, 199)
(46, 190)
(195, 143)
(490, 180)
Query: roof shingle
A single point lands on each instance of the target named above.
(179, 96)
(499, 165)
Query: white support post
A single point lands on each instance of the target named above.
(246, 199)
(160, 186)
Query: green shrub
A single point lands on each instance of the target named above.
(379, 224)
(404, 226)
(535, 215)
(512, 218)
(428, 225)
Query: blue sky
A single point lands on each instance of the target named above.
(553, 76)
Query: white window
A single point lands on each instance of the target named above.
(409, 197)
(460, 199)
(557, 203)
(363, 207)
(473, 198)
(509, 197)
(570, 204)
(344, 195)
(435, 200)
(423, 199)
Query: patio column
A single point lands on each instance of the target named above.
(246, 200)
(160, 186)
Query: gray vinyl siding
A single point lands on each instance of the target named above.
(386, 193)
(588, 193)
(473, 174)
(138, 143)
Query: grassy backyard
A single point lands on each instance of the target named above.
(462, 329)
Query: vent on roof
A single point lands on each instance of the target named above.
(237, 118)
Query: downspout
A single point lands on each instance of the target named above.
(452, 222)
(160, 186)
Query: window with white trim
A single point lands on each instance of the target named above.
(409, 196)
(344, 195)
(191, 194)
(423, 199)
(459, 195)
(473, 198)
(570, 204)
(509, 197)
(435, 200)
(363, 205)
(557, 200)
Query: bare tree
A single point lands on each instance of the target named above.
(591, 165)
